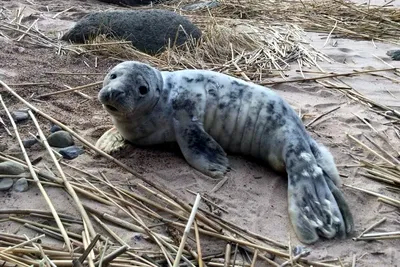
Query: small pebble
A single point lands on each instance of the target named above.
(60, 139)
(5, 184)
(21, 185)
(11, 168)
(137, 237)
(70, 152)
(55, 128)
(29, 142)
(394, 54)
(20, 115)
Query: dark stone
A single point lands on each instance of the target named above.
(20, 115)
(55, 128)
(29, 142)
(70, 152)
(130, 2)
(60, 139)
(148, 30)
(394, 54)
(9, 167)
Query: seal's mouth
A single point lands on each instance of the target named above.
(112, 108)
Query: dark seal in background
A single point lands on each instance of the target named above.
(148, 30)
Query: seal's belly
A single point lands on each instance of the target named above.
(245, 119)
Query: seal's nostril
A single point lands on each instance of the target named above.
(115, 94)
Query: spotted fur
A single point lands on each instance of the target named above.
(208, 113)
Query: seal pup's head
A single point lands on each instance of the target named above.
(131, 88)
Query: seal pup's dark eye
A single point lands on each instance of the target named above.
(113, 76)
(143, 90)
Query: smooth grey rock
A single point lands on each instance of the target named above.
(70, 152)
(148, 30)
(130, 2)
(29, 142)
(21, 185)
(200, 5)
(20, 115)
(5, 184)
(60, 139)
(55, 128)
(394, 54)
(11, 168)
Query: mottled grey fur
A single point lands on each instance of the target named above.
(207, 113)
(148, 30)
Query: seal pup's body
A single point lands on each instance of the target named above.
(206, 113)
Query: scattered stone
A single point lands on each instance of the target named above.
(60, 139)
(148, 30)
(55, 128)
(20, 115)
(394, 54)
(200, 5)
(130, 2)
(21, 185)
(5, 184)
(70, 152)
(300, 249)
(29, 142)
(11, 168)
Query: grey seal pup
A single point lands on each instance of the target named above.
(208, 113)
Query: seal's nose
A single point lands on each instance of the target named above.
(111, 95)
(116, 94)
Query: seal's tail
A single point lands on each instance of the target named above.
(326, 162)
(316, 205)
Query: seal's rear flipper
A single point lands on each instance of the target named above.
(316, 206)
(199, 149)
(111, 141)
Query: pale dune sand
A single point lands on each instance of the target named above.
(254, 196)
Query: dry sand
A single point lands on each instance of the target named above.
(254, 196)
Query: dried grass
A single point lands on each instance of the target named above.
(251, 39)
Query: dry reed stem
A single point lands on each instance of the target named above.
(10, 258)
(397, 202)
(370, 228)
(37, 181)
(66, 183)
(137, 219)
(198, 245)
(28, 211)
(23, 243)
(335, 75)
(369, 149)
(86, 86)
(90, 256)
(322, 115)
(109, 231)
(187, 230)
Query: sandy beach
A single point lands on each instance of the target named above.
(253, 196)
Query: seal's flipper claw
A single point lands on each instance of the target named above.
(200, 150)
(343, 206)
(111, 141)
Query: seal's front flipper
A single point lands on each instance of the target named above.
(111, 141)
(199, 149)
